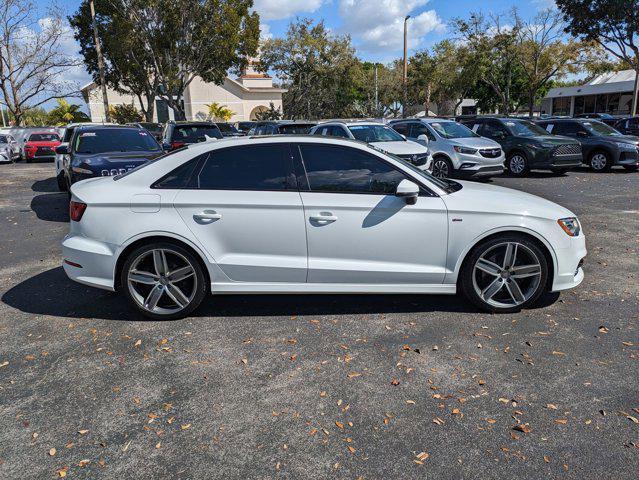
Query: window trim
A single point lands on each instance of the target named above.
(424, 190)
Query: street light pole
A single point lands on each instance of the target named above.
(405, 76)
(98, 51)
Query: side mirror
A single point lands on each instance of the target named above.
(201, 139)
(403, 136)
(423, 138)
(62, 149)
(407, 190)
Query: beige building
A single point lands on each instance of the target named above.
(245, 96)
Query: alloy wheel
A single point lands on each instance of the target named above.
(517, 164)
(507, 275)
(598, 161)
(440, 169)
(162, 281)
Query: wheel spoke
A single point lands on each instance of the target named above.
(515, 292)
(159, 261)
(147, 278)
(176, 295)
(488, 267)
(510, 255)
(153, 298)
(525, 271)
(490, 291)
(181, 273)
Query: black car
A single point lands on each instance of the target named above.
(282, 127)
(181, 134)
(628, 126)
(245, 127)
(153, 128)
(101, 151)
(228, 129)
(528, 146)
(602, 146)
(602, 117)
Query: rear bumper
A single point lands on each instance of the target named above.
(89, 262)
(570, 271)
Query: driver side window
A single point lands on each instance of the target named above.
(493, 130)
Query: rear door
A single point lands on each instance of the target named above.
(244, 207)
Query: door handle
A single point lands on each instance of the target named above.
(208, 215)
(323, 217)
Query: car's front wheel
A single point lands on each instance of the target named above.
(517, 164)
(163, 281)
(505, 274)
(600, 162)
(442, 167)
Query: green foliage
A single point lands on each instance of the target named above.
(219, 112)
(33, 117)
(271, 113)
(124, 113)
(65, 113)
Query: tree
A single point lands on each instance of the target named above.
(271, 113)
(219, 112)
(124, 113)
(189, 38)
(65, 113)
(32, 65)
(128, 65)
(316, 67)
(613, 24)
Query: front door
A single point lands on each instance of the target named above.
(358, 231)
(244, 207)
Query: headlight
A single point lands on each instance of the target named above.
(626, 146)
(82, 170)
(570, 225)
(464, 150)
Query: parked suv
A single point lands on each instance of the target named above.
(602, 117)
(180, 134)
(41, 146)
(456, 149)
(8, 148)
(528, 146)
(106, 151)
(281, 127)
(380, 136)
(602, 146)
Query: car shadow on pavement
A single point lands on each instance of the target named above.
(52, 293)
(49, 185)
(51, 207)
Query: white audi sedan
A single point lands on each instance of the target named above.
(293, 214)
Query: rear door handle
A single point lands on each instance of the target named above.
(207, 216)
(323, 217)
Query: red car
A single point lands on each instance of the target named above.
(41, 145)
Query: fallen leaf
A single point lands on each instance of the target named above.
(558, 353)
(394, 382)
(423, 456)
(438, 421)
(83, 463)
(603, 329)
(561, 421)
(4, 364)
(83, 432)
(350, 449)
(339, 425)
(627, 344)
(551, 406)
(456, 411)
(410, 402)
(522, 428)
(63, 472)
(52, 452)
(353, 375)
(158, 445)
(491, 420)
(546, 459)
(186, 426)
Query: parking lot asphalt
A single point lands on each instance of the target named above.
(326, 386)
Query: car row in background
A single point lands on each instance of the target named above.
(9, 149)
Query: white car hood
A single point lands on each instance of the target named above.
(401, 148)
(483, 198)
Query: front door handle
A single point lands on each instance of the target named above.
(323, 217)
(207, 216)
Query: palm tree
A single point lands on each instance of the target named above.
(66, 113)
(219, 112)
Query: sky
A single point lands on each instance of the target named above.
(375, 26)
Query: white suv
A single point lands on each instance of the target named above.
(379, 136)
(456, 149)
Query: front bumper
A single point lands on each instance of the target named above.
(96, 261)
(481, 172)
(569, 268)
(546, 159)
(628, 158)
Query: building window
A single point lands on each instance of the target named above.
(561, 106)
(625, 101)
(601, 105)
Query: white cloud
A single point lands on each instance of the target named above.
(379, 24)
(265, 31)
(279, 9)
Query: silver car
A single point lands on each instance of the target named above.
(457, 151)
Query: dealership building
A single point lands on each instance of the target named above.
(606, 93)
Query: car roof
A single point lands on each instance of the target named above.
(43, 132)
(351, 123)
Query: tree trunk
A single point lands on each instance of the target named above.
(150, 107)
(635, 96)
(427, 99)
(531, 104)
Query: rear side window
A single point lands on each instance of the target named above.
(295, 129)
(401, 128)
(252, 167)
(195, 133)
(180, 177)
(338, 169)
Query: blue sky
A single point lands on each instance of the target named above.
(375, 26)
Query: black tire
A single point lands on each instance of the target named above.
(517, 164)
(600, 161)
(62, 183)
(631, 168)
(200, 279)
(442, 167)
(533, 290)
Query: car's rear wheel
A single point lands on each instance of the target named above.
(600, 161)
(442, 167)
(163, 281)
(517, 164)
(505, 274)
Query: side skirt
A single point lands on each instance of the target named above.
(308, 288)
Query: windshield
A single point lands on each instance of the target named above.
(226, 128)
(375, 133)
(295, 128)
(115, 140)
(44, 137)
(601, 129)
(524, 128)
(452, 130)
(194, 133)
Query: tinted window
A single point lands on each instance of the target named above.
(339, 132)
(492, 129)
(567, 128)
(401, 128)
(115, 140)
(44, 137)
(452, 130)
(68, 133)
(179, 178)
(375, 133)
(194, 133)
(253, 167)
(227, 128)
(524, 128)
(347, 170)
(418, 129)
(295, 129)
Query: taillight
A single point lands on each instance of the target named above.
(175, 145)
(76, 210)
